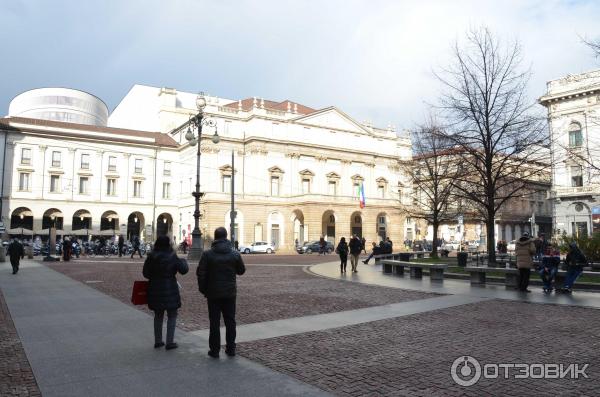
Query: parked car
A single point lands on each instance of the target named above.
(510, 247)
(314, 246)
(257, 247)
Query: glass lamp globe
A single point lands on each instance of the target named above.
(216, 138)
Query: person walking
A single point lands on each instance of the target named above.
(160, 268)
(216, 274)
(121, 243)
(355, 250)
(575, 261)
(16, 253)
(184, 244)
(342, 251)
(136, 247)
(67, 248)
(524, 251)
(322, 245)
(363, 244)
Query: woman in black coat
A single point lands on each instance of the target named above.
(160, 268)
(342, 251)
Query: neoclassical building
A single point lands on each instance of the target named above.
(573, 104)
(297, 170)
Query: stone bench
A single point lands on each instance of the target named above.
(436, 270)
(511, 275)
(393, 256)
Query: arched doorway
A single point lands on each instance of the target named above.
(328, 226)
(356, 224)
(53, 218)
(382, 225)
(299, 229)
(164, 225)
(81, 224)
(21, 221)
(109, 222)
(275, 229)
(135, 222)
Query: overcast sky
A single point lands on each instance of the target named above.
(372, 59)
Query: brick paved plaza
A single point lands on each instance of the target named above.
(400, 355)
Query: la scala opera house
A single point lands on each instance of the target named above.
(71, 165)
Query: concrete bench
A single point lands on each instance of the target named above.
(436, 270)
(393, 256)
(511, 276)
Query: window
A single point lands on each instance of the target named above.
(55, 183)
(167, 168)
(24, 181)
(576, 176)
(26, 156)
(274, 186)
(575, 136)
(138, 166)
(332, 188)
(305, 185)
(356, 189)
(226, 184)
(137, 189)
(85, 161)
(83, 184)
(112, 163)
(166, 194)
(381, 191)
(111, 187)
(56, 159)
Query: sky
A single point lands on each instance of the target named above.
(373, 59)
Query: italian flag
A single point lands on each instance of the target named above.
(361, 195)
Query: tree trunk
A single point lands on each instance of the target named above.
(434, 247)
(490, 232)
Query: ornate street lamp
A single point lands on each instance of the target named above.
(197, 122)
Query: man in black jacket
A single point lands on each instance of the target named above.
(216, 274)
(16, 253)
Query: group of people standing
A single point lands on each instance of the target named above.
(355, 247)
(526, 248)
(216, 274)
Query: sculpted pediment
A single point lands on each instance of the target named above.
(332, 118)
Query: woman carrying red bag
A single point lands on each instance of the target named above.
(160, 268)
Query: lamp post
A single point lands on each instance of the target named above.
(197, 122)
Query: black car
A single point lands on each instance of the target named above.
(314, 246)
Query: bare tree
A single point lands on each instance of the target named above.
(594, 45)
(432, 177)
(502, 145)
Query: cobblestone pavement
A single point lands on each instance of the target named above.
(264, 293)
(16, 377)
(412, 355)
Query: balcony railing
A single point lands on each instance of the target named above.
(576, 190)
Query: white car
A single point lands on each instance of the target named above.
(259, 246)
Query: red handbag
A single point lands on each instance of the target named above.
(139, 295)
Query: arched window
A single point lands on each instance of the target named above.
(575, 135)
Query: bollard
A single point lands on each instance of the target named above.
(2, 253)
(29, 252)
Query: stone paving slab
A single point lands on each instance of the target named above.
(265, 293)
(413, 355)
(95, 354)
(297, 325)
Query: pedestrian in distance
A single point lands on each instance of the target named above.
(390, 245)
(342, 251)
(374, 251)
(355, 250)
(184, 244)
(136, 246)
(524, 251)
(160, 268)
(217, 272)
(322, 245)
(575, 261)
(363, 243)
(67, 247)
(16, 253)
(121, 243)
